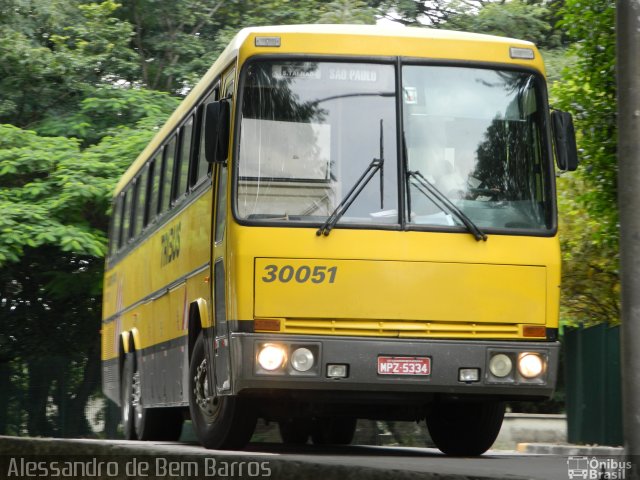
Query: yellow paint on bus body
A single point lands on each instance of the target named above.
(406, 277)
(387, 283)
(151, 291)
(391, 290)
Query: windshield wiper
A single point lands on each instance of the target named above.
(375, 165)
(429, 190)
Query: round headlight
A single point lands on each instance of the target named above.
(500, 365)
(302, 359)
(530, 365)
(271, 357)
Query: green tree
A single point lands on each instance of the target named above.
(589, 197)
(68, 73)
(55, 202)
(52, 55)
(178, 41)
(590, 278)
(515, 19)
(348, 11)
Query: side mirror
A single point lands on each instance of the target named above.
(216, 136)
(564, 141)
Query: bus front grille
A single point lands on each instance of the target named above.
(395, 328)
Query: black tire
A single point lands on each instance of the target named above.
(224, 422)
(294, 431)
(126, 395)
(333, 431)
(140, 422)
(163, 424)
(465, 429)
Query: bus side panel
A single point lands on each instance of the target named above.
(151, 289)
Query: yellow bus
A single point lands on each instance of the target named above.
(338, 223)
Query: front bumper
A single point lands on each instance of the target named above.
(361, 354)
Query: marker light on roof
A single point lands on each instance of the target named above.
(524, 53)
(267, 41)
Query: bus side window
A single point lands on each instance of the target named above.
(114, 234)
(221, 194)
(141, 204)
(132, 214)
(126, 218)
(221, 204)
(167, 174)
(184, 155)
(155, 173)
(195, 152)
(203, 167)
(133, 193)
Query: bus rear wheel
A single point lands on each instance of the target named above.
(127, 400)
(465, 428)
(140, 422)
(220, 422)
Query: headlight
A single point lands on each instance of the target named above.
(271, 356)
(530, 365)
(302, 359)
(500, 365)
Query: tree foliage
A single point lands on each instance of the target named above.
(515, 19)
(54, 54)
(589, 198)
(75, 117)
(177, 41)
(429, 12)
(589, 90)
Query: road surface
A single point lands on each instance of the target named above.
(277, 461)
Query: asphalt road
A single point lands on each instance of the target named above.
(493, 464)
(302, 462)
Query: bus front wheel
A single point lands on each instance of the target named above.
(465, 428)
(220, 422)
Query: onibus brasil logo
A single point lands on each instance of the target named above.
(597, 468)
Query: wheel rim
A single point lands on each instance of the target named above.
(136, 394)
(126, 403)
(208, 403)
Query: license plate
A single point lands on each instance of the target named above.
(404, 366)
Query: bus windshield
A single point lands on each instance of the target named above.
(309, 130)
(476, 135)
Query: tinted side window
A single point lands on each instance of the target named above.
(131, 213)
(203, 167)
(167, 174)
(195, 151)
(221, 204)
(116, 219)
(134, 207)
(155, 172)
(141, 201)
(182, 180)
(221, 195)
(126, 218)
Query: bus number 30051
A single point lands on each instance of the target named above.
(302, 274)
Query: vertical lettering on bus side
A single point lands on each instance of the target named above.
(170, 245)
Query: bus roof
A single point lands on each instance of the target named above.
(348, 40)
(376, 31)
